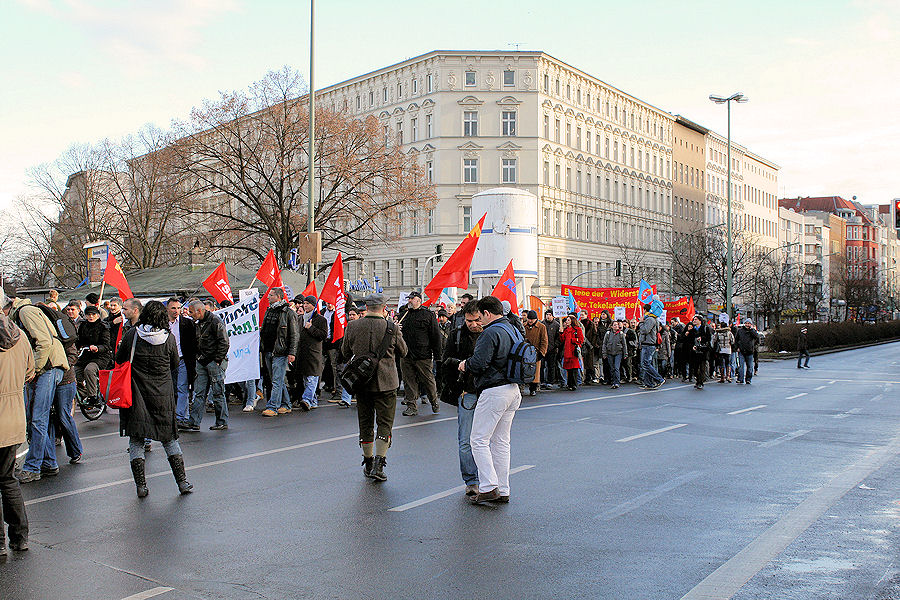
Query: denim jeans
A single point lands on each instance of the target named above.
(800, 357)
(614, 363)
(136, 448)
(310, 385)
(249, 388)
(745, 362)
(182, 391)
(210, 381)
(65, 394)
(277, 367)
(464, 417)
(41, 393)
(649, 372)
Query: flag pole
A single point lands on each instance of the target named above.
(102, 285)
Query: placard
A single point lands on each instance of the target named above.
(244, 295)
(560, 305)
(404, 299)
(242, 327)
(662, 318)
(619, 313)
(723, 318)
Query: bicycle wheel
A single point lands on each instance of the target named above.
(91, 410)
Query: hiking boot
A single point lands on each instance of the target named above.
(140, 481)
(435, 406)
(377, 472)
(176, 461)
(49, 471)
(411, 410)
(367, 465)
(28, 477)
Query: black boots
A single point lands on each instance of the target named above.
(377, 472)
(140, 481)
(367, 466)
(176, 461)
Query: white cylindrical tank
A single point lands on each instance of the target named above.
(510, 232)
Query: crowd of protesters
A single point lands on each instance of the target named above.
(456, 355)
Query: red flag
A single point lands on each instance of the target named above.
(116, 278)
(455, 272)
(217, 284)
(333, 293)
(268, 273)
(506, 287)
(310, 290)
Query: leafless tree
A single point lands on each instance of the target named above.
(745, 254)
(634, 263)
(246, 156)
(690, 263)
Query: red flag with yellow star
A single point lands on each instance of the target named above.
(455, 272)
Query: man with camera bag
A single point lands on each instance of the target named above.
(376, 397)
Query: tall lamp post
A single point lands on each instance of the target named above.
(736, 97)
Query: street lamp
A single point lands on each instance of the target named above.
(736, 97)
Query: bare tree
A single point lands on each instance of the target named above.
(634, 262)
(777, 285)
(246, 156)
(690, 263)
(745, 254)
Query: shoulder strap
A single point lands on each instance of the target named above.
(386, 340)
(507, 326)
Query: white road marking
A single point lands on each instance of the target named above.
(743, 410)
(654, 432)
(149, 593)
(796, 396)
(785, 438)
(99, 435)
(445, 493)
(834, 381)
(877, 398)
(852, 411)
(630, 505)
(821, 387)
(728, 579)
(583, 419)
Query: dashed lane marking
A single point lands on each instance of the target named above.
(785, 438)
(796, 396)
(630, 505)
(743, 410)
(445, 493)
(877, 398)
(649, 433)
(149, 593)
(821, 387)
(852, 411)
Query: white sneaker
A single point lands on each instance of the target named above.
(248, 408)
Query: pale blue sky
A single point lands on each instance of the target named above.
(823, 76)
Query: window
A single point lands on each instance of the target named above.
(428, 130)
(606, 148)
(384, 94)
(569, 230)
(358, 102)
(578, 137)
(579, 229)
(508, 171)
(414, 130)
(557, 87)
(399, 91)
(587, 183)
(616, 151)
(546, 172)
(558, 128)
(429, 224)
(558, 228)
(470, 123)
(509, 122)
(568, 91)
(429, 170)
(400, 132)
(509, 77)
(429, 83)
(371, 99)
(470, 78)
(556, 181)
(546, 83)
(587, 140)
(569, 179)
(568, 134)
(467, 219)
(587, 227)
(547, 126)
(470, 170)
(578, 181)
(414, 222)
(547, 221)
(415, 86)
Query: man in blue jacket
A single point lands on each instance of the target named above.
(498, 400)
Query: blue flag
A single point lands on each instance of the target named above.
(573, 306)
(645, 293)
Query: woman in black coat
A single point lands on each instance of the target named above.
(698, 342)
(152, 412)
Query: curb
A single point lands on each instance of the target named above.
(793, 354)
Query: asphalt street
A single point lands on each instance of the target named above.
(786, 488)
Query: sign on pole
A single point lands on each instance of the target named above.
(244, 295)
(560, 306)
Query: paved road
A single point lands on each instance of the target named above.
(784, 489)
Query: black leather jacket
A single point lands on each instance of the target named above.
(212, 341)
(280, 330)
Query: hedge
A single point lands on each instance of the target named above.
(829, 335)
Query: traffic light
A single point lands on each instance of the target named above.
(439, 250)
(897, 214)
(619, 267)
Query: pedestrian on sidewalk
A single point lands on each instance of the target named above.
(803, 349)
(498, 400)
(16, 368)
(377, 402)
(152, 412)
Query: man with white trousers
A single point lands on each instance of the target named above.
(498, 400)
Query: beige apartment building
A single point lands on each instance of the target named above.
(689, 176)
(598, 159)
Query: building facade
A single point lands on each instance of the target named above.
(689, 177)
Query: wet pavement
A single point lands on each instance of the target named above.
(787, 488)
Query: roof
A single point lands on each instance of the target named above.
(831, 204)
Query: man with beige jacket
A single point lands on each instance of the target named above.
(50, 363)
(16, 367)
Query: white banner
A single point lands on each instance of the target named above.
(242, 326)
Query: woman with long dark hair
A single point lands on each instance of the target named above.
(571, 338)
(152, 412)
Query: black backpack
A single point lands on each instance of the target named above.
(361, 369)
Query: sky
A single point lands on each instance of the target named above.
(823, 77)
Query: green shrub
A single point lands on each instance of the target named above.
(828, 335)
